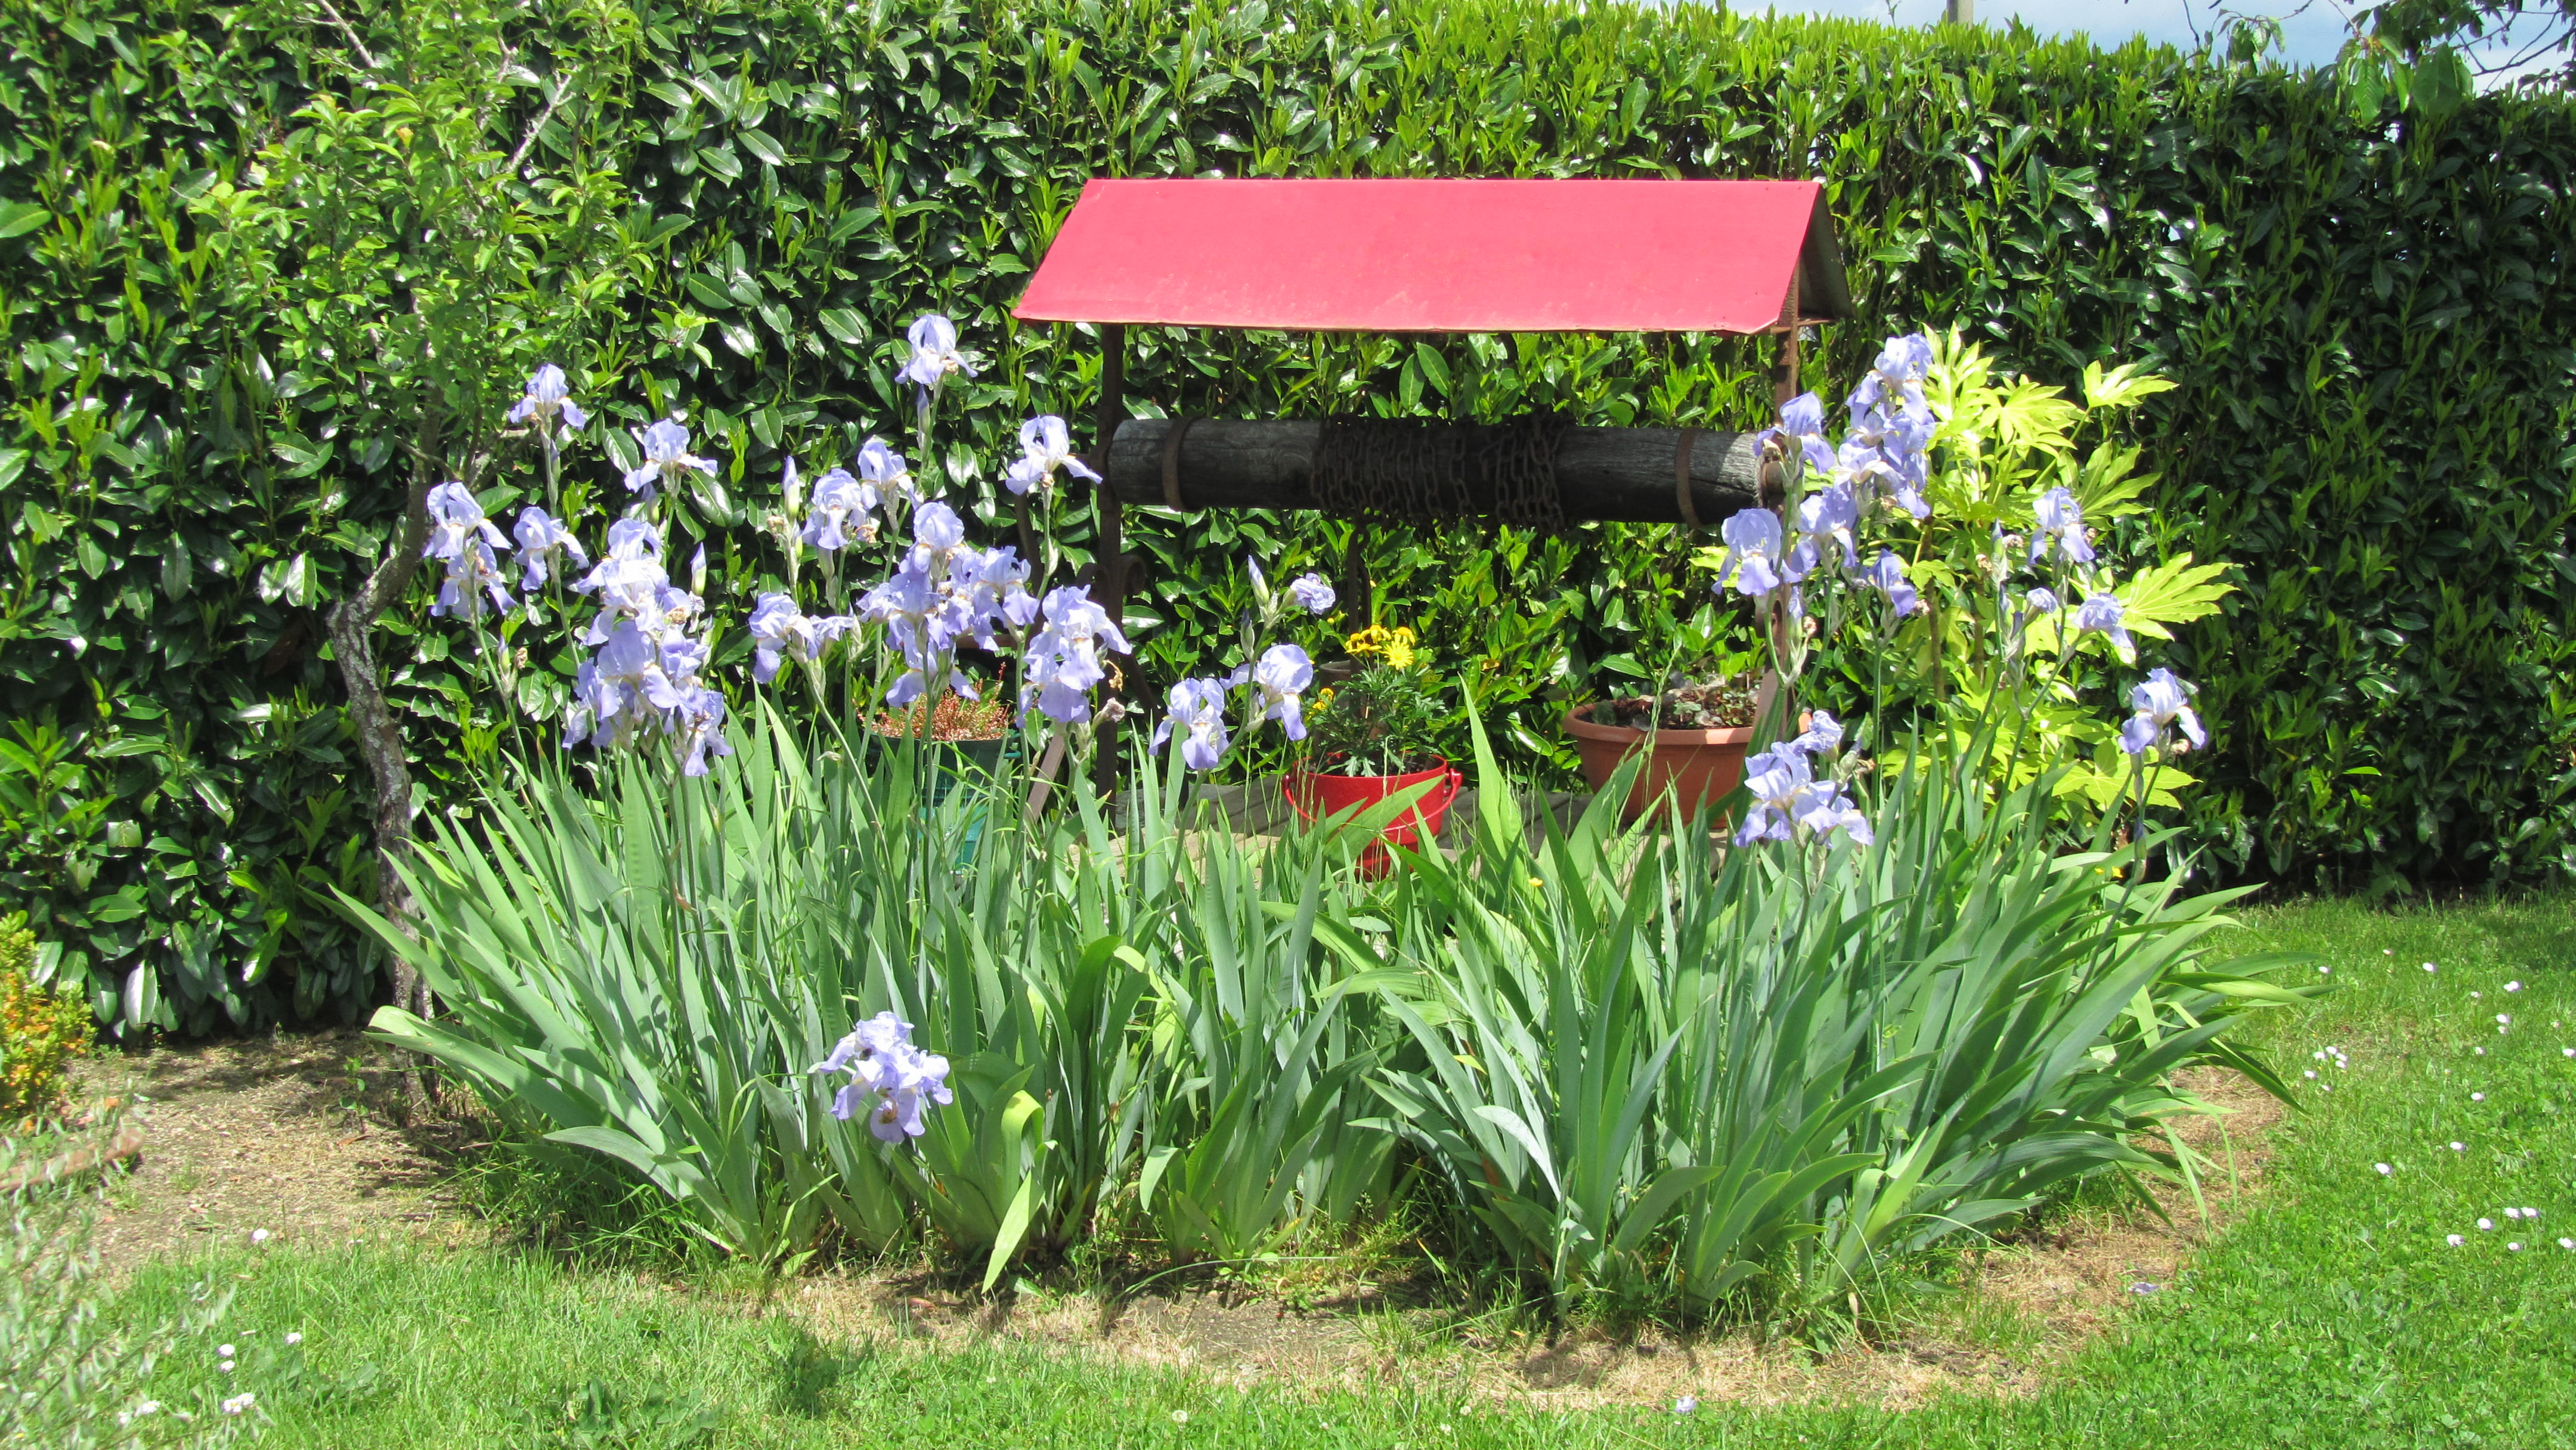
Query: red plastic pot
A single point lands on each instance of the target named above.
(1325, 795)
(1696, 765)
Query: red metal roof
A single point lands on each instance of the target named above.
(1443, 256)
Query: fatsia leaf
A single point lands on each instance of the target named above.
(2176, 591)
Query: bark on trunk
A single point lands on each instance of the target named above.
(1624, 474)
(351, 624)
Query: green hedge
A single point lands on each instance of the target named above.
(2366, 315)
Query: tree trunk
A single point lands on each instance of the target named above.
(380, 742)
(1625, 474)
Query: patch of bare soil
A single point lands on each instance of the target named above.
(298, 1135)
(2066, 1279)
(295, 1134)
(1239, 1340)
(2025, 1302)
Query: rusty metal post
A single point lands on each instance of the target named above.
(1772, 706)
(1109, 564)
(1784, 374)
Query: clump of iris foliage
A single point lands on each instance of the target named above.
(789, 973)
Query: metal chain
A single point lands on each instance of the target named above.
(1421, 473)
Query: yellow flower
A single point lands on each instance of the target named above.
(1394, 646)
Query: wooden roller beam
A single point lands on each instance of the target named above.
(1610, 474)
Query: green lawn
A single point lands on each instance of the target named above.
(2334, 1313)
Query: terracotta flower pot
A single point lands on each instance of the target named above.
(1323, 795)
(1697, 765)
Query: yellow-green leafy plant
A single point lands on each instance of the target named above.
(41, 1029)
(1937, 569)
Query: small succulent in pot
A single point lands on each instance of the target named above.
(955, 717)
(1721, 702)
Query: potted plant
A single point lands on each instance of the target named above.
(968, 740)
(1693, 734)
(1369, 739)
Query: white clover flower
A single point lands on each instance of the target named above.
(1180, 1417)
(295, 1336)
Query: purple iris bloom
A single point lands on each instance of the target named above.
(1044, 447)
(1282, 677)
(1789, 802)
(595, 699)
(1312, 594)
(1910, 432)
(841, 513)
(1887, 576)
(541, 538)
(548, 397)
(634, 539)
(779, 631)
(698, 716)
(884, 468)
(1803, 418)
(2159, 703)
(1825, 516)
(1823, 735)
(937, 533)
(472, 576)
(1777, 778)
(1898, 373)
(626, 589)
(1197, 716)
(1753, 563)
(2100, 612)
(454, 519)
(934, 355)
(2061, 529)
(883, 1064)
(1007, 574)
(666, 459)
(1062, 664)
(1823, 808)
(2042, 601)
(867, 1054)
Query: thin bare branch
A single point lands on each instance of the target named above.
(563, 88)
(364, 57)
